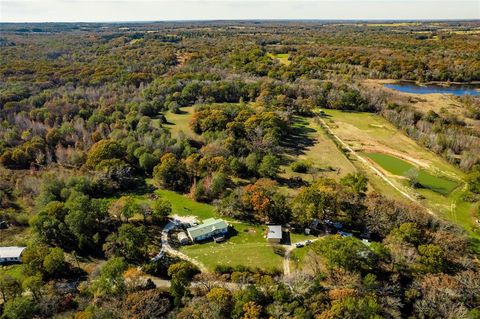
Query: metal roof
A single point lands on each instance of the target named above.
(274, 232)
(181, 236)
(208, 226)
(11, 252)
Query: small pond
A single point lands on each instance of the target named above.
(429, 89)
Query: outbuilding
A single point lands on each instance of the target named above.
(274, 234)
(11, 254)
(182, 238)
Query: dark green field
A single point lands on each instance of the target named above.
(400, 167)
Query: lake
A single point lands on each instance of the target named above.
(429, 89)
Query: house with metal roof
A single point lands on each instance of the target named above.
(274, 234)
(209, 228)
(11, 254)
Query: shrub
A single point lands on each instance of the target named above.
(301, 166)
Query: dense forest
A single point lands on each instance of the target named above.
(84, 132)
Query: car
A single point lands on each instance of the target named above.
(308, 242)
(299, 245)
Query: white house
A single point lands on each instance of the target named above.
(210, 227)
(10, 254)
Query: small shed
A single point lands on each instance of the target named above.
(274, 234)
(11, 254)
(182, 238)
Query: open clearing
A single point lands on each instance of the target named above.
(180, 123)
(314, 146)
(280, 57)
(370, 133)
(247, 247)
(400, 167)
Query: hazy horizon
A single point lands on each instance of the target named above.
(210, 10)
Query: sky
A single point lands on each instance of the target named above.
(168, 10)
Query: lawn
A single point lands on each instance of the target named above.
(298, 257)
(400, 167)
(184, 206)
(247, 247)
(295, 238)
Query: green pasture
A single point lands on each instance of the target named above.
(400, 167)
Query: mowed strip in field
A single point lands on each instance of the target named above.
(315, 147)
(370, 133)
(400, 167)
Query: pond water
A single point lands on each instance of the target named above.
(428, 89)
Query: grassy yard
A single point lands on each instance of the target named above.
(400, 167)
(295, 238)
(184, 206)
(246, 247)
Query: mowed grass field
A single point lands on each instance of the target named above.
(370, 133)
(319, 151)
(400, 167)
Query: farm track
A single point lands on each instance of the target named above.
(286, 259)
(167, 248)
(373, 168)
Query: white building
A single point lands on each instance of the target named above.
(274, 234)
(210, 227)
(10, 254)
(182, 238)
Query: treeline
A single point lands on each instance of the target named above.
(448, 137)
